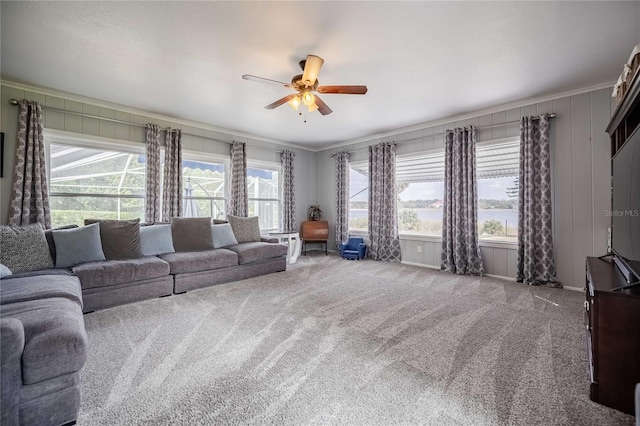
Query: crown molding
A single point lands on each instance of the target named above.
(131, 110)
(474, 114)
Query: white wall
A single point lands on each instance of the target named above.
(304, 163)
(581, 167)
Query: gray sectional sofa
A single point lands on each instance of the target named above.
(43, 348)
(43, 339)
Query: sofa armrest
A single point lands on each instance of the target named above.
(362, 250)
(11, 348)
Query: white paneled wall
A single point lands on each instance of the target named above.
(581, 167)
(198, 141)
(581, 171)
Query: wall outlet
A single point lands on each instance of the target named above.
(419, 248)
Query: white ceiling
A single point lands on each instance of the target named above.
(421, 61)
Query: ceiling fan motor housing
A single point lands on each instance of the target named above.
(299, 84)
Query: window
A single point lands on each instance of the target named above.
(420, 187)
(263, 186)
(95, 183)
(497, 172)
(204, 186)
(358, 196)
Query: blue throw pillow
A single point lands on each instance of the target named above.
(223, 235)
(156, 239)
(4, 271)
(78, 245)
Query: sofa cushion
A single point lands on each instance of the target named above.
(191, 233)
(156, 239)
(24, 248)
(255, 251)
(78, 245)
(246, 229)
(120, 238)
(54, 335)
(36, 287)
(112, 272)
(223, 235)
(52, 271)
(197, 261)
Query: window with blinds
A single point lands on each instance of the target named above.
(420, 186)
(497, 166)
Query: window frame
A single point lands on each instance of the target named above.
(420, 235)
(498, 242)
(359, 232)
(269, 166)
(483, 242)
(203, 157)
(59, 137)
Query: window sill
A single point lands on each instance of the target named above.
(482, 243)
(421, 237)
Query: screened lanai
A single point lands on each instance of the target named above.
(107, 184)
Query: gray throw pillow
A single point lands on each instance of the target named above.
(245, 229)
(78, 245)
(156, 239)
(120, 238)
(24, 248)
(191, 233)
(4, 271)
(223, 235)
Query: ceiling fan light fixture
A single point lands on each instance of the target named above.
(312, 107)
(308, 99)
(295, 103)
(311, 69)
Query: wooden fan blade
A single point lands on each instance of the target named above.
(280, 101)
(322, 107)
(345, 90)
(267, 81)
(311, 69)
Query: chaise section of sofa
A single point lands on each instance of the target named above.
(43, 348)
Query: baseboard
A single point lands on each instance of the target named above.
(501, 277)
(422, 265)
(580, 289)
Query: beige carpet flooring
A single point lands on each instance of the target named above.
(340, 342)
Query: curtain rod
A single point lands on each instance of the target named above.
(115, 120)
(488, 126)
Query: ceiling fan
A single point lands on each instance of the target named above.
(305, 84)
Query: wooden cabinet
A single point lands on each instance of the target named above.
(612, 320)
(315, 231)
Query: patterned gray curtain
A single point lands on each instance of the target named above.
(238, 198)
(383, 203)
(460, 250)
(30, 192)
(288, 192)
(536, 265)
(172, 183)
(152, 210)
(342, 197)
